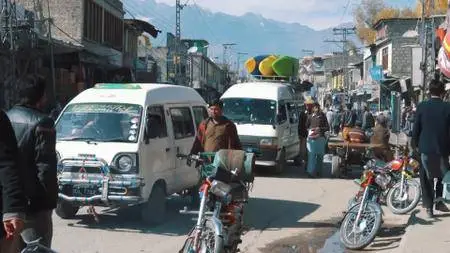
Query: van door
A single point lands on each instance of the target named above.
(158, 157)
(283, 126)
(184, 133)
(293, 147)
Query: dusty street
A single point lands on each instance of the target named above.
(287, 214)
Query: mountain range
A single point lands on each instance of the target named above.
(252, 33)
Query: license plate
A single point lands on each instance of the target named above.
(85, 191)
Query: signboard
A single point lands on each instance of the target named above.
(376, 73)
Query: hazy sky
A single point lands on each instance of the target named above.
(318, 14)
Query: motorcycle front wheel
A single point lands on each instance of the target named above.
(209, 241)
(365, 231)
(405, 203)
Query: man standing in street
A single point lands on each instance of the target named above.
(368, 121)
(216, 132)
(317, 126)
(330, 116)
(303, 133)
(432, 137)
(12, 197)
(36, 138)
(348, 121)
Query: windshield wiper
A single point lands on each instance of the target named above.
(87, 139)
(115, 140)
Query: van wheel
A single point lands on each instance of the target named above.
(153, 212)
(65, 210)
(281, 162)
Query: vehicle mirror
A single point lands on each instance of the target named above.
(153, 127)
(279, 118)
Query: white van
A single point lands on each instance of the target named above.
(266, 116)
(117, 145)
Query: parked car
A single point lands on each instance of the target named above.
(117, 145)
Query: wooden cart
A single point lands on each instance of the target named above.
(345, 154)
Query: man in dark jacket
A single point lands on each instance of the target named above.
(348, 121)
(303, 133)
(216, 132)
(432, 137)
(36, 137)
(12, 197)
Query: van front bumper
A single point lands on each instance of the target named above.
(109, 191)
(90, 188)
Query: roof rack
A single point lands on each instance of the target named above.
(272, 78)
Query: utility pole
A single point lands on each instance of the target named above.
(52, 56)
(239, 54)
(226, 46)
(344, 32)
(178, 53)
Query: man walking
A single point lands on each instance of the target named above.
(12, 198)
(216, 132)
(36, 139)
(432, 137)
(317, 126)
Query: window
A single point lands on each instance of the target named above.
(92, 21)
(104, 122)
(183, 126)
(292, 112)
(385, 58)
(250, 110)
(159, 111)
(200, 114)
(282, 112)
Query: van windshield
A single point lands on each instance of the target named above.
(105, 122)
(249, 110)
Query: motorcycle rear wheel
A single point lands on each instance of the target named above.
(371, 211)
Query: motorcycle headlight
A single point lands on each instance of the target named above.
(382, 180)
(220, 189)
(125, 163)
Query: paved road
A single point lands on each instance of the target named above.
(288, 210)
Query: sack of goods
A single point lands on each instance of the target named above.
(233, 165)
(357, 135)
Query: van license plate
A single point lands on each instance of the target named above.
(85, 191)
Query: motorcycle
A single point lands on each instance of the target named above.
(362, 222)
(223, 194)
(400, 179)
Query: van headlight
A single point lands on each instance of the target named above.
(125, 163)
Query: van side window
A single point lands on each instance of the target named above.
(292, 112)
(183, 125)
(282, 112)
(159, 111)
(200, 114)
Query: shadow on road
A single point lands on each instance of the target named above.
(293, 171)
(260, 214)
(267, 214)
(129, 220)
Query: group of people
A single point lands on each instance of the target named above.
(316, 127)
(28, 171)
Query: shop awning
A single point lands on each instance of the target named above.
(144, 26)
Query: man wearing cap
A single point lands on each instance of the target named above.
(36, 138)
(216, 132)
(431, 135)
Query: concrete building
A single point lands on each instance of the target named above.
(395, 46)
